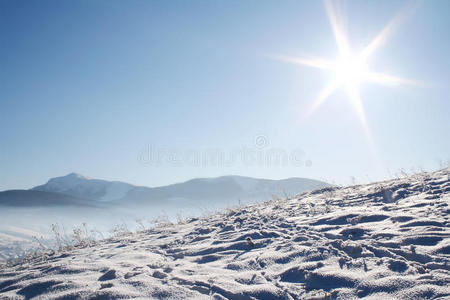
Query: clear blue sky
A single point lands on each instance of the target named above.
(86, 86)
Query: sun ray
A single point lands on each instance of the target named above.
(386, 79)
(323, 95)
(356, 101)
(338, 30)
(311, 62)
(381, 38)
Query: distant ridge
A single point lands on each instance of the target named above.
(79, 190)
(29, 198)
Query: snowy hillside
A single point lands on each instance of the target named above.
(386, 240)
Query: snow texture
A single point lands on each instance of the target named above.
(386, 240)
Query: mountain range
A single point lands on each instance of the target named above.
(76, 189)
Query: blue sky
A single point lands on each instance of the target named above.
(88, 86)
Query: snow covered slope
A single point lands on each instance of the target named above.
(386, 240)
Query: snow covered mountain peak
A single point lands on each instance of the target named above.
(81, 186)
(74, 175)
(57, 184)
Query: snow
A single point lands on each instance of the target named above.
(385, 240)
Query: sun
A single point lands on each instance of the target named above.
(350, 69)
